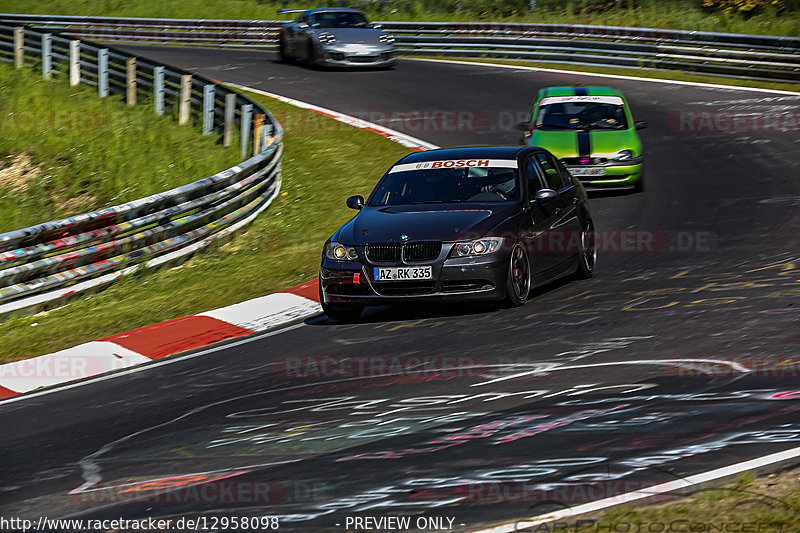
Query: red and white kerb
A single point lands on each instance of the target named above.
(455, 163)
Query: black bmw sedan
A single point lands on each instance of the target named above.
(456, 224)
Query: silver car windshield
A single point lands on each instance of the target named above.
(447, 185)
(338, 19)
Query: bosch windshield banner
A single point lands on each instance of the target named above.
(455, 163)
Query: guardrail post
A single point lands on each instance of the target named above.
(246, 118)
(185, 101)
(74, 62)
(258, 129)
(230, 114)
(102, 72)
(158, 90)
(208, 109)
(265, 130)
(47, 55)
(19, 46)
(130, 81)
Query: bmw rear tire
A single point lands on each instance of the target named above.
(587, 256)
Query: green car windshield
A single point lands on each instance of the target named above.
(581, 115)
(338, 19)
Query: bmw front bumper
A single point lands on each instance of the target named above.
(454, 279)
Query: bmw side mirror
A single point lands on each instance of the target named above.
(543, 195)
(640, 124)
(355, 202)
(525, 125)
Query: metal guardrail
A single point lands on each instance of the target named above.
(42, 265)
(760, 57)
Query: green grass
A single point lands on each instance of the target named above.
(768, 504)
(324, 162)
(64, 151)
(639, 73)
(677, 14)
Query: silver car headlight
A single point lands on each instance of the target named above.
(385, 38)
(485, 246)
(623, 155)
(340, 252)
(327, 38)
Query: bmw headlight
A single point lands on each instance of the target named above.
(385, 38)
(484, 246)
(623, 155)
(327, 38)
(340, 252)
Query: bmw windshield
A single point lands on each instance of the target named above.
(451, 181)
(581, 113)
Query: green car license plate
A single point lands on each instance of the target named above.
(580, 172)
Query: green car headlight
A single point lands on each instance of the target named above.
(623, 155)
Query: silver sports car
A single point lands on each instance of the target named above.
(335, 37)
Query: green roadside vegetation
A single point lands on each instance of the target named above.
(638, 73)
(765, 17)
(764, 504)
(324, 162)
(64, 151)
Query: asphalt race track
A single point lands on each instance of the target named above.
(678, 357)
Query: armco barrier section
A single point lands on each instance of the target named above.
(760, 57)
(42, 265)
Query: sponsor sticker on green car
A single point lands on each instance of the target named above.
(592, 131)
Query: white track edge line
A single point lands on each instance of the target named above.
(623, 76)
(664, 488)
(410, 142)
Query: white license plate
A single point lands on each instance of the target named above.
(587, 171)
(403, 273)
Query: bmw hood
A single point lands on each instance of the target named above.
(422, 223)
(598, 143)
(355, 35)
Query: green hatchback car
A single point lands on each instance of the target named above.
(593, 133)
